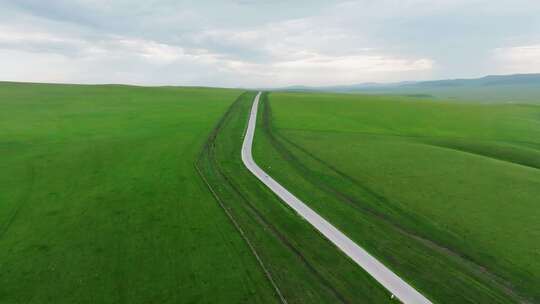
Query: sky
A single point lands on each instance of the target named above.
(265, 43)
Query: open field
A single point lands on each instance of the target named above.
(399, 289)
(100, 201)
(444, 193)
(305, 267)
(120, 194)
(253, 152)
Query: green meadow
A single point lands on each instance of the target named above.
(444, 193)
(100, 201)
(304, 266)
(125, 194)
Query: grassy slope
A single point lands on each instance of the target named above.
(445, 193)
(100, 202)
(305, 267)
(528, 93)
(524, 88)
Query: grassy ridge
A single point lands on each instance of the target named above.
(422, 185)
(100, 203)
(305, 267)
(518, 88)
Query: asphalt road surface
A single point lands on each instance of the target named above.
(393, 283)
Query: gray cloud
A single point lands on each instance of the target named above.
(264, 43)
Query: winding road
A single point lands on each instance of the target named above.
(393, 283)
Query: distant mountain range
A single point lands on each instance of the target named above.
(507, 88)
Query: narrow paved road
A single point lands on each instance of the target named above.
(398, 287)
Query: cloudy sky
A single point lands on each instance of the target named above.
(265, 42)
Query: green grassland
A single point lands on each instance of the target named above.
(100, 201)
(445, 193)
(305, 267)
(121, 194)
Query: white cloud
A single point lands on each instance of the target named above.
(256, 57)
(366, 63)
(319, 69)
(518, 59)
(234, 44)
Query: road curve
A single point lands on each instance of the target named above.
(398, 287)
